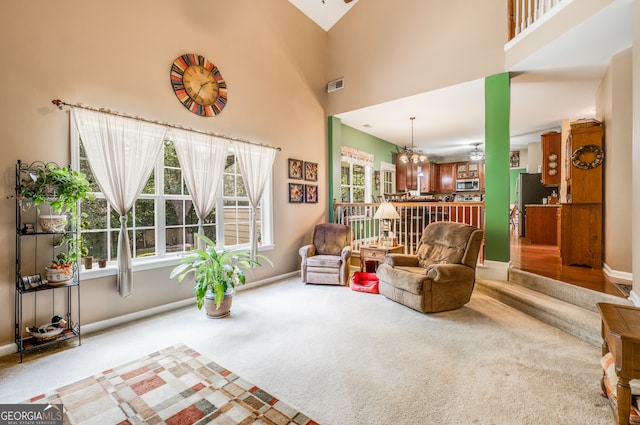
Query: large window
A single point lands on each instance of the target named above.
(163, 221)
(355, 175)
(352, 182)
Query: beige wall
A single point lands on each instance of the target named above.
(635, 152)
(117, 55)
(389, 50)
(614, 102)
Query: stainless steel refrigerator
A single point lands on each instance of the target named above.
(529, 190)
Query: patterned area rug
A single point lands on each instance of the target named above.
(624, 288)
(174, 386)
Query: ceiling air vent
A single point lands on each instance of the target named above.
(335, 85)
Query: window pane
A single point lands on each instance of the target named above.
(96, 243)
(345, 198)
(344, 173)
(358, 194)
(174, 212)
(145, 212)
(174, 239)
(210, 232)
(170, 156)
(145, 243)
(191, 217)
(358, 175)
(96, 212)
(172, 181)
(149, 188)
(190, 240)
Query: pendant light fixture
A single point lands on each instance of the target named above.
(410, 154)
(476, 154)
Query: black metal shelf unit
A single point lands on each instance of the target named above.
(31, 257)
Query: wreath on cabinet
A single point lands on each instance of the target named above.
(596, 158)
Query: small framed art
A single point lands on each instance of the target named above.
(311, 193)
(296, 193)
(514, 159)
(295, 169)
(311, 171)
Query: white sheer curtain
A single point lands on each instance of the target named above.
(202, 158)
(121, 153)
(255, 163)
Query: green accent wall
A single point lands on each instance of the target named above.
(343, 135)
(497, 107)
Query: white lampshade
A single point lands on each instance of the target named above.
(386, 211)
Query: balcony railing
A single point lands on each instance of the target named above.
(523, 13)
(414, 217)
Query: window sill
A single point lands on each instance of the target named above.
(141, 265)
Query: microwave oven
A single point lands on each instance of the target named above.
(467, 184)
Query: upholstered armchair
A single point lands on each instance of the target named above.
(441, 275)
(326, 260)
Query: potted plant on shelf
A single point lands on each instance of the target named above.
(60, 271)
(216, 275)
(62, 189)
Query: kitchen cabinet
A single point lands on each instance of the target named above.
(551, 146)
(541, 224)
(581, 234)
(481, 175)
(585, 180)
(447, 177)
(468, 170)
(429, 178)
(406, 176)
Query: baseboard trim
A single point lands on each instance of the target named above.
(617, 276)
(120, 320)
(493, 270)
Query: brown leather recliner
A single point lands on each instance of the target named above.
(441, 275)
(326, 260)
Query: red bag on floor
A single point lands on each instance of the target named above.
(364, 282)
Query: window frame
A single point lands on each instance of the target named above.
(161, 258)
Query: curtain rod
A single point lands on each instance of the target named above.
(59, 103)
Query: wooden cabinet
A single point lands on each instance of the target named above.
(541, 224)
(481, 174)
(406, 176)
(447, 177)
(467, 170)
(429, 178)
(551, 155)
(581, 234)
(585, 184)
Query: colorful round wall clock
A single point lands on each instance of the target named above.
(198, 85)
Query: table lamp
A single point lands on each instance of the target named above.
(386, 212)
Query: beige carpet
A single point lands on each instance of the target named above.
(346, 357)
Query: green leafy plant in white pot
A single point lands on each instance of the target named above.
(216, 274)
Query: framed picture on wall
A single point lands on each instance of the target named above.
(311, 171)
(514, 159)
(295, 169)
(311, 193)
(296, 193)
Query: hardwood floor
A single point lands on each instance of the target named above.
(545, 260)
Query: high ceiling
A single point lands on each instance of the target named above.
(556, 83)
